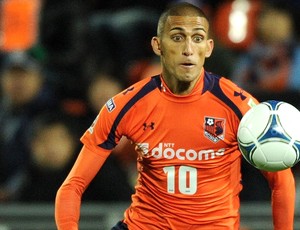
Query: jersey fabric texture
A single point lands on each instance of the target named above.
(189, 163)
(188, 158)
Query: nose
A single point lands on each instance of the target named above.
(188, 48)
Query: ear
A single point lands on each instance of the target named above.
(209, 47)
(155, 42)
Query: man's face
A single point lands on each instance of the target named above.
(21, 86)
(183, 47)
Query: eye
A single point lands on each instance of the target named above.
(198, 38)
(177, 38)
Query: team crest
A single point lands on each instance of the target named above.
(214, 128)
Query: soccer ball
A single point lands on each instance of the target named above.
(269, 136)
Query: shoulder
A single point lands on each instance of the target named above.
(231, 94)
(138, 90)
(221, 81)
(126, 99)
(146, 84)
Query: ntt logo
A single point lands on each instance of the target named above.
(167, 151)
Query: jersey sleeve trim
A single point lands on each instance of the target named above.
(217, 91)
(154, 83)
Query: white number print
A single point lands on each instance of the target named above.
(187, 179)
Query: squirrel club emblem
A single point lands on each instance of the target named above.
(214, 128)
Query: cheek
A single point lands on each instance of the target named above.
(168, 62)
(170, 54)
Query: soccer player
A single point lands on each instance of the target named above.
(184, 126)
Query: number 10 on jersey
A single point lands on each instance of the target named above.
(186, 183)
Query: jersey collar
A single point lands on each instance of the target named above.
(197, 90)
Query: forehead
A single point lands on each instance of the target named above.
(186, 22)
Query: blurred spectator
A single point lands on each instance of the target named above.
(143, 68)
(118, 38)
(110, 184)
(24, 94)
(19, 24)
(62, 32)
(266, 66)
(52, 147)
(255, 185)
(101, 88)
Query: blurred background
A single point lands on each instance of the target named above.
(60, 61)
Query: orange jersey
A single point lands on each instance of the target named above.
(189, 162)
(188, 158)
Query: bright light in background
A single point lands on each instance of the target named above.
(238, 21)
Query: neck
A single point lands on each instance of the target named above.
(181, 87)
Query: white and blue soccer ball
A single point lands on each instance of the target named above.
(269, 136)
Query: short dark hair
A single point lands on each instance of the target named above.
(180, 9)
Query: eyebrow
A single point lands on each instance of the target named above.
(195, 29)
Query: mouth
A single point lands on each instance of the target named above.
(187, 65)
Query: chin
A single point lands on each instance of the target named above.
(188, 78)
